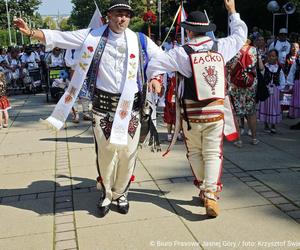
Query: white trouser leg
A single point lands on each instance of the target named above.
(205, 152)
(115, 165)
(126, 165)
(194, 147)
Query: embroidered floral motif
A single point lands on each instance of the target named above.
(106, 125)
(107, 121)
(124, 109)
(211, 77)
(86, 55)
(83, 66)
(133, 124)
(132, 56)
(90, 49)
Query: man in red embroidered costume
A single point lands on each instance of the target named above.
(113, 54)
(202, 95)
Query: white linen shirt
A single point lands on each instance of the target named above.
(113, 64)
(178, 60)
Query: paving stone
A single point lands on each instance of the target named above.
(63, 193)
(269, 171)
(65, 244)
(64, 213)
(65, 236)
(63, 199)
(63, 210)
(63, 205)
(294, 214)
(64, 227)
(261, 188)
(45, 195)
(278, 200)
(288, 207)
(64, 219)
(81, 190)
(245, 179)
(9, 199)
(253, 183)
(255, 172)
(28, 197)
(242, 174)
(269, 194)
(235, 170)
(283, 170)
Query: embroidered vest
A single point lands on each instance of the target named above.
(207, 83)
(269, 76)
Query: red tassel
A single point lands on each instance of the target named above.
(196, 183)
(99, 179)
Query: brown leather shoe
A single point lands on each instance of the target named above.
(211, 204)
(202, 197)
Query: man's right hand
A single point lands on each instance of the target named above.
(22, 26)
(230, 6)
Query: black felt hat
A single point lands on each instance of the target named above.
(198, 22)
(120, 5)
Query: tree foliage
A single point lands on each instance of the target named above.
(26, 7)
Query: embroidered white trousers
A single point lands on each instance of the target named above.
(204, 143)
(115, 165)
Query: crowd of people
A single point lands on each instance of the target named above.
(263, 83)
(117, 61)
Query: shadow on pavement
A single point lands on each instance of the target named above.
(38, 203)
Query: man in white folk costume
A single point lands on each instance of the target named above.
(201, 96)
(112, 55)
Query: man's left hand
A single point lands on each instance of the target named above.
(155, 86)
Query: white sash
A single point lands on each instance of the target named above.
(62, 109)
(208, 70)
(119, 132)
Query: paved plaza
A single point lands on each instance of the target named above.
(48, 195)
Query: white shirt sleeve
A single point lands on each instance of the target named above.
(231, 45)
(178, 60)
(152, 49)
(66, 39)
(291, 76)
(282, 80)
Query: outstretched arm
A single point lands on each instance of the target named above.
(231, 45)
(54, 38)
(33, 33)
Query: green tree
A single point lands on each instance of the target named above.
(49, 23)
(83, 11)
(64, 24)
(26, 7)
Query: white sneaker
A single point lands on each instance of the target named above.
(249, 132)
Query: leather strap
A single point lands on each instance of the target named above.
(207, 120)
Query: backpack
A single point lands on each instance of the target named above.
(243, 74)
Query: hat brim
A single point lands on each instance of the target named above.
(199, 28)
(121, 8)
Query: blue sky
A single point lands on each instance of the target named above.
(50, 7)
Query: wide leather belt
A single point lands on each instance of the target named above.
(203, 104)
(108, 102)
(206, 120)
